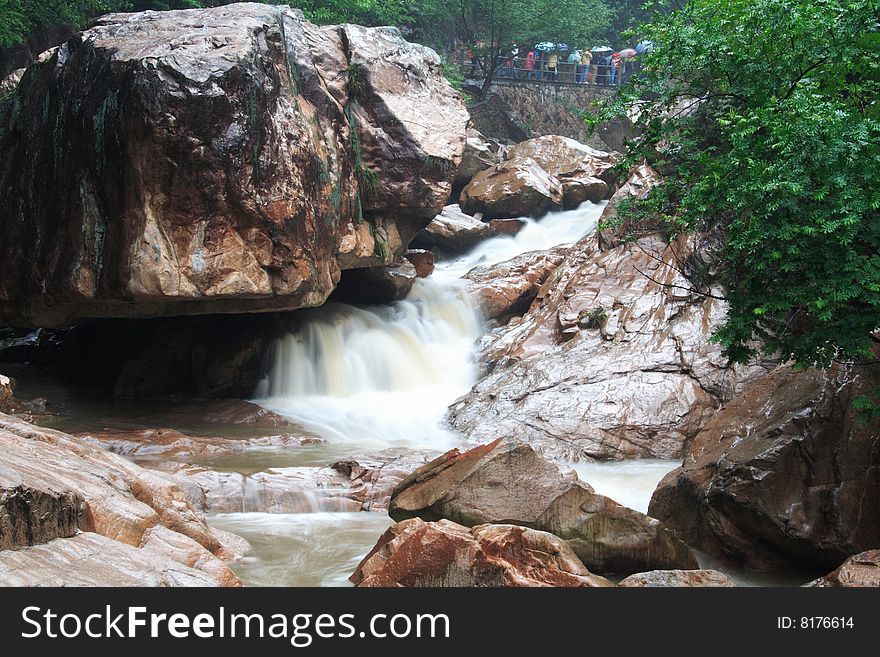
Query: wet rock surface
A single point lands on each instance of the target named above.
(510, 483)
(859, 570)
(54, 487)
(613, 359)
(687, 578)
(416, 553)
(89, 559)
(784, 476)
(233, 159)
(513, 188)
(453, 231)
(376, 285)
(509, 288)
(422, 260)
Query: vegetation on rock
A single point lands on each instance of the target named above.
(763, 117)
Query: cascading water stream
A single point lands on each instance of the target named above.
(384, 376)
(369, 378)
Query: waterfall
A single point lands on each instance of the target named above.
(384, 376)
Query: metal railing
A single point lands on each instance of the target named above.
(599, 75)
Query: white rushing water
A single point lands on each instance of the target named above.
(369, 378)
(384, 376)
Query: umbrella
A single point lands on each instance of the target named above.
(562, 46)
(600, 49)
(628, 53)
(645, 46)
(545, 46)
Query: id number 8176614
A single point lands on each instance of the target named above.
(815, 622)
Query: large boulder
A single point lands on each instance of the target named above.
(784, 476)
(858, 571)
(232, 159)
(512, 484)
(585, 173)
(453, 231)
(414, 553)
(53, 486)
(517, 187)
(677, 578)
(508, 288)
(613, 360)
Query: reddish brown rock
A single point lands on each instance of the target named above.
(668, 578)
(414, 553)
(422, 260)
(859, 570)
(514, 188)
(508, 288)
(512, 484)
(785, 475)
(506, 226)
(228, 160)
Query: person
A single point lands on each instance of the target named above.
(593, 75)
(615, 69)
(552, 62)
(586, 58)
(472, 56)
(573, 61)
(530, 66)
(539, 64)
(512, 62)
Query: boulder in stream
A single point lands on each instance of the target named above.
(511, 483)
(514, 188)
(414, 553)
(785, 476)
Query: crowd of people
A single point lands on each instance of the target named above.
(555, 62)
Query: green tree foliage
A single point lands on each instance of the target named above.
(763, 115)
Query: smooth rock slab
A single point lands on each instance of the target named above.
(90, 559)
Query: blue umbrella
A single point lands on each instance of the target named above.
(546, 46)
(645, 46)
(562, 46)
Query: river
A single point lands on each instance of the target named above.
(372, 378)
